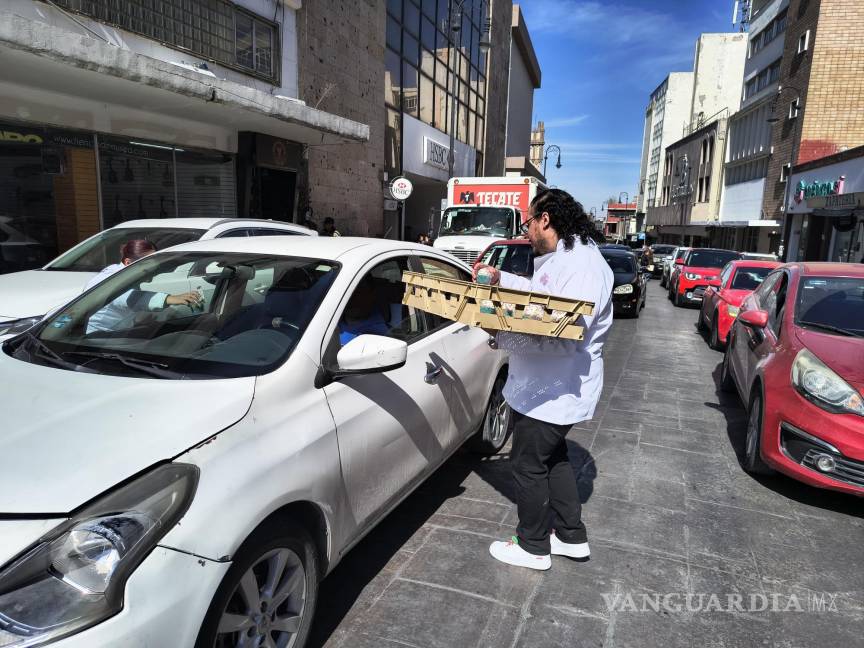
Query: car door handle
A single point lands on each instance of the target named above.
(432, 376)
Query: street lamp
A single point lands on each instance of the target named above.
(773, 119)
(455, 26)
(626, 215)
(546, 156)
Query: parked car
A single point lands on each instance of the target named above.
(509, 255)
(669, 265)
(615, 246)
(662, 252)
(720, 305)
(630, 284)
(695, 271)
(188, 477)
(26, 296)
(794, 357)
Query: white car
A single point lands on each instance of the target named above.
(187, 476)
(26, 296)
(666, 274)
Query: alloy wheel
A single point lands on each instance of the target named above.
(497, 416)
(266, 608)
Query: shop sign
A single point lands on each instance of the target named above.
(818, 188)
(401, 188)
(841, 201)
(275, 152)
(435, 154)
(38, 136)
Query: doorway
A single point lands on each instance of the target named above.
(277, 194)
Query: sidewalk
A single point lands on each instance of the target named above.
(670, 513)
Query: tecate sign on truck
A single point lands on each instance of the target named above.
(516, 194)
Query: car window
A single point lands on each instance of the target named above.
(269, 231)
(440, 268)
(749, 278)
(517, 259)
(766, 287)
(240, 232)
(375, 306)
(247, 315)
(774, 302)
(621, 263)
(104, 249)
(834, 302)
(711, 258)
(724, 276)
(491, 255)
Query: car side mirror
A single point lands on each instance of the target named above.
(367, 354)
(679, 261)
(757, 319)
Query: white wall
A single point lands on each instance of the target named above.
(520, 106)
(742, 201)
(718, 70)
(43, 12)
(413, 148)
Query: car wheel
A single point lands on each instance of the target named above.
(663, 281)
(700, 321)
(715, 342)
(495, 428)
(676, 298)
(727, 384)
(268, 596)
(753, 462)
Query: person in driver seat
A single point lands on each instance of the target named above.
(362, 314)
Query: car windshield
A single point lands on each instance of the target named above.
(832, 304)
(711, 258)
(104, 249)
(476, 221)
(681, 252)
(749, 278)
(621, 263)
(662, 250)
(185, 315)
(516, 259)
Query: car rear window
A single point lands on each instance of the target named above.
(711, 258)
(621, 263)
(749, 278)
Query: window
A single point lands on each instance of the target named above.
(375, 306)
(253, 43)
(804, 42)
(784, 172)
(793, 109)
(441, 269)
(772, 30)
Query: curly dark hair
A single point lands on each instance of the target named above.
(567, 217)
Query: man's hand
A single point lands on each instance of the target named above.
(187, 299)
(494, 273)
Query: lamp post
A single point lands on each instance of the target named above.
(626, 215)
(786, 226)
(683, 189)
(546, 155)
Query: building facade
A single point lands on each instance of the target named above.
(523, 80)
(749, 143)
(143, 110)
(820, 108)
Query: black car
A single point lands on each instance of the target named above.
(628, 294)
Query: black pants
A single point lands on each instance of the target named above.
(544, 479)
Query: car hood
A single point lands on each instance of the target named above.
(477, 242)
(712, 272)
(844, 355)
(735, 297)
(35, 292)
(68, 436)
(621, 278)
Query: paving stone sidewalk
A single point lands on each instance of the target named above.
(670, 513)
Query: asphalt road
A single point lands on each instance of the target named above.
(676, 528)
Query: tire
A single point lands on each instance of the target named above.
(676, 298)
(663, 281)
(714, 341)
(753, 462)
(700, 322)
(497, 420)
(256, 562)
(727, 383)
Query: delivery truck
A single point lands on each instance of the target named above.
(482, 210)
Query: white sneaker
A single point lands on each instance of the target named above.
(569, 549)
(511, 553)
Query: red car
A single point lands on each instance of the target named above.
(796, 357)
(720, 305)
(695, 271)
(509, 255)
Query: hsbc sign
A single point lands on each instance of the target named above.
(435, 154)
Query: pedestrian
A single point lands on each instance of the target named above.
(329, 228)
(423, 239)
(553, 384)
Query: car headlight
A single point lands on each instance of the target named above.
(14, 327)
(74, 576)
(818, 384)
(692, 276)
(624, 289)
(733, 311)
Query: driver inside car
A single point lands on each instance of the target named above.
(361, 314)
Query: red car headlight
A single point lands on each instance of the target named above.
(824, 388)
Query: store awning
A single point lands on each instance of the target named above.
(747, 223)
(47, 59)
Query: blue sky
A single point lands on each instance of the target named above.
(600, 61)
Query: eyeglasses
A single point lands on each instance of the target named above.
(524, 226)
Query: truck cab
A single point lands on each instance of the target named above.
(466, 231)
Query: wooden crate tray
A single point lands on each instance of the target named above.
(496, 308)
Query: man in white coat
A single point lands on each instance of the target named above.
(553, 384)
